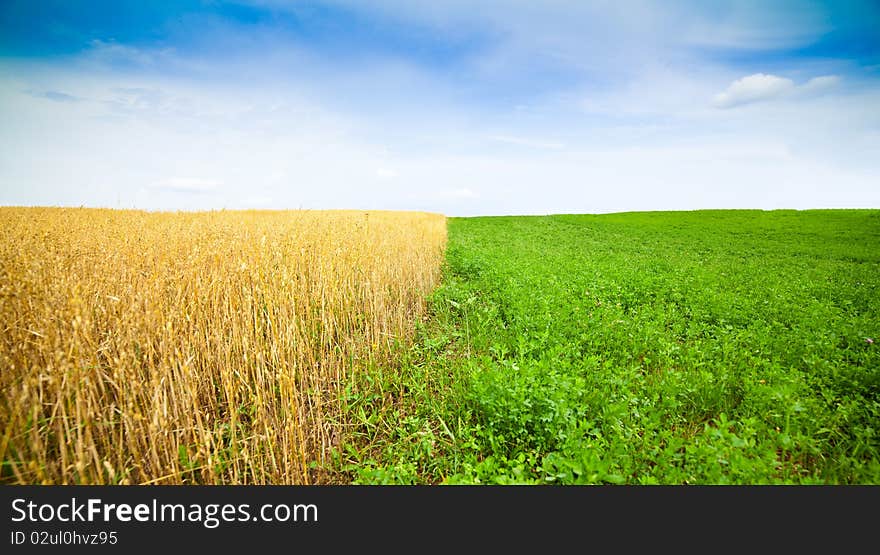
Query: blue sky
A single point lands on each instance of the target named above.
(465, 108)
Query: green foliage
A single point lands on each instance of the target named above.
(715, 347)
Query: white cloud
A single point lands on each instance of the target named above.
(110, 52)
(185, 185)
(761, 86)
(239, 150)
(820, 84)
(753, 88)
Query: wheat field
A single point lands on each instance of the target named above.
(201, 347)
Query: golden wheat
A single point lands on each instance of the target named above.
(207, 347)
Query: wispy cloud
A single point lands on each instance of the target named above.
(113, 53)
(820, 84)
(55, 96)
(762, 87)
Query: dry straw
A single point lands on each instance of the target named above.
(203, 347)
